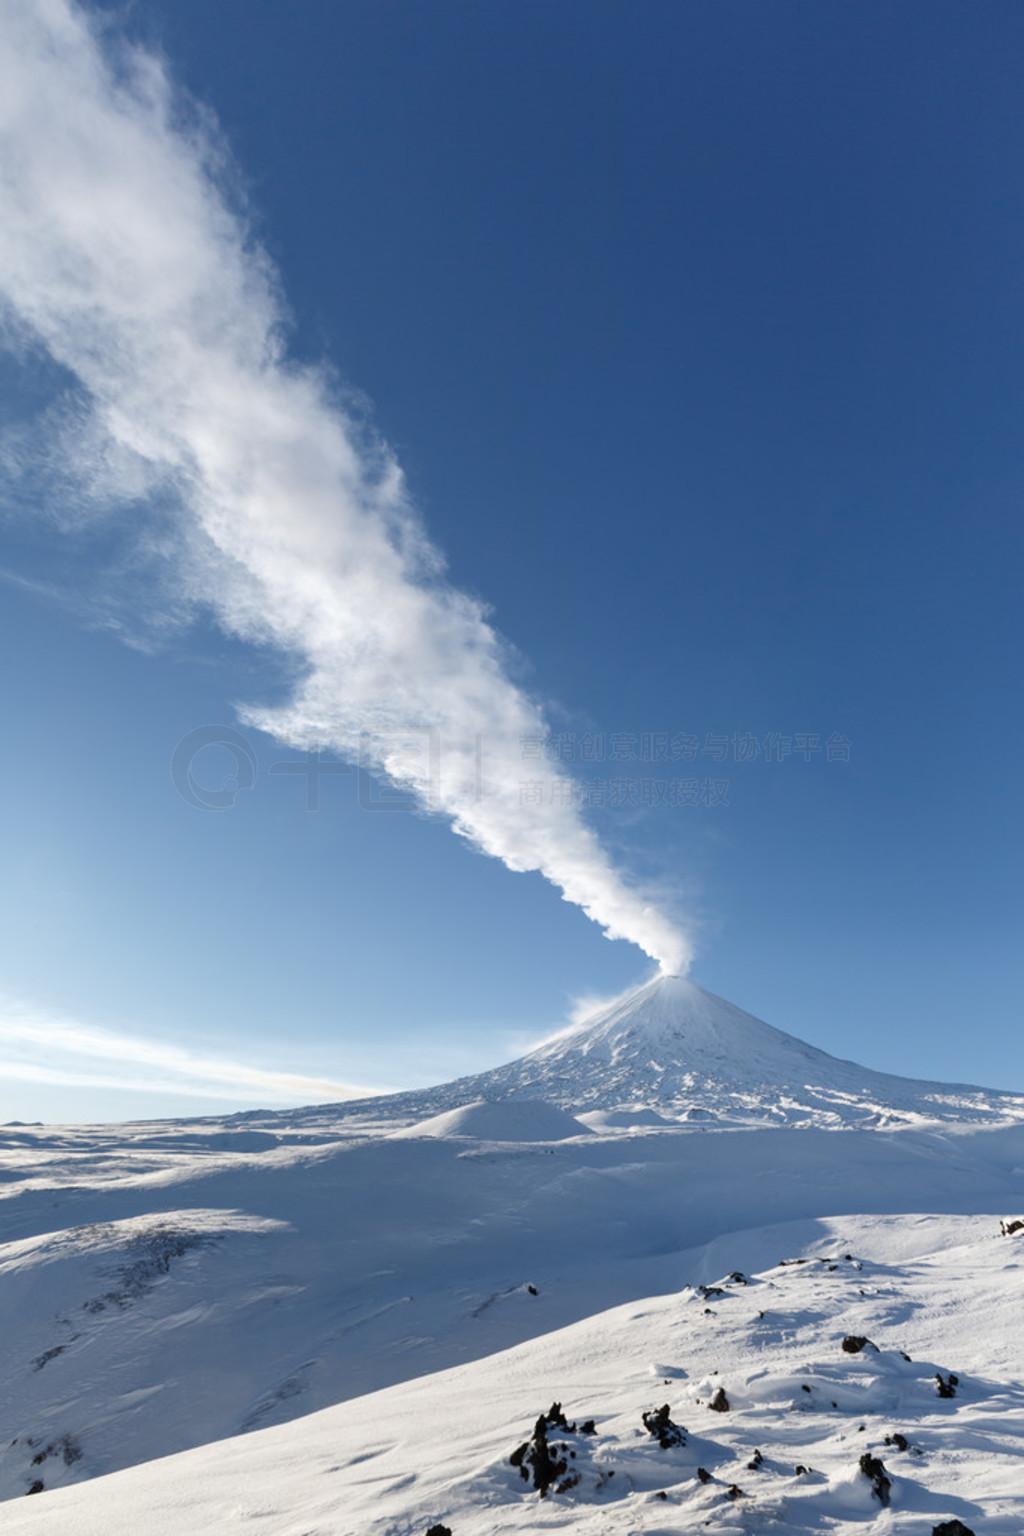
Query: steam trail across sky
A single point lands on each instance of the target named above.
(121, 256)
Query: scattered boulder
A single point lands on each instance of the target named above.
(755, 1461)
(533, 1292)
(900, 1442)
(549, 1464)
(707, 1291)
(719, 1402)
(737, 1277)
(1008, 1226)
(952, 1528)
(736, 1493)
(946, 1385)
(800, 1470)
(659, 1424)
(703, 1475)
(37, 1486)
(855, 1342)
(881, 1483)
(65, 1447)
(48, 1355)
(439, 1530)
(556, 1419)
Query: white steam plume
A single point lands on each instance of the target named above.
(120, 255)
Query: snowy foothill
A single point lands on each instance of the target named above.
(501, 1120)
(350, 1318)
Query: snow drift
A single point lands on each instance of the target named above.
(501, 1120)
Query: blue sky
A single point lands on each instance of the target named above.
(696, 331)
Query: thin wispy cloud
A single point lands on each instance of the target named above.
(37, 1047)
(123, 258)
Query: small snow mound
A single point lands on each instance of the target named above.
(501, 1120)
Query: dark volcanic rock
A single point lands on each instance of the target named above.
(719, 1403)
(881, 1483)
(659, 1424)
(855, 1342)
(556, 1419)
(65, 1447)
(952, 1528)
(548, 1464)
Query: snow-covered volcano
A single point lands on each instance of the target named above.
(193, 1287)
(670, 1051)
(670, 1039)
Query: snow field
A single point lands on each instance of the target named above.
(346, 1319)
(437, 1449)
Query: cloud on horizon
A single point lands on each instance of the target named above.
(124, 259)
(38, 1047)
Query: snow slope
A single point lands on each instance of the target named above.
(945, 1292)
(167, 1286)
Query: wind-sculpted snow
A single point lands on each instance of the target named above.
(242, 1290)
(814, 1439)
